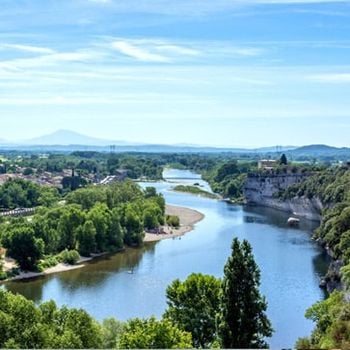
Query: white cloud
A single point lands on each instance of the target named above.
(28, 48)
(138, 52)
(49, 60)
(335, 78)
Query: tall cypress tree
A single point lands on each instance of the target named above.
(242, 319)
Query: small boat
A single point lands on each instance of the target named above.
(293, 221)
(131, 271)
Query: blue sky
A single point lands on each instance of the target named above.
(228, 73)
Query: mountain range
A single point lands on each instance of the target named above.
(66, 141)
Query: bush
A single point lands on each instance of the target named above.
(303, 344)
(173, 220)
(3, 275)
(70, 256)
(48, 262)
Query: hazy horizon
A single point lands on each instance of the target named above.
(67, 134)
(250, 73)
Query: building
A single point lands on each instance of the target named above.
(120, 175)
(267, 164)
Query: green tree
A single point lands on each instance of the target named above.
(242, 320)
(112, 330)
(86, 235)
(23, 246)
(283, 159)
(153, 334)
(115, 232)
(68, 224)
(101, 218)
(332, 318)
(133, 227)
(193, 305)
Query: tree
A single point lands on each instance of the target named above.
(23, 246)
(242, 319)
(115, 232)
(227, 169)
(192, 306)
(71, 218)
(101, 218)
(133, 226)
(111, 332)
(283, 159)
(153, 334)
(86, 235)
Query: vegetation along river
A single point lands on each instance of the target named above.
(133, 283)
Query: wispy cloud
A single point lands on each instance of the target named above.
(27, 48)
(333, 78)
(166, 51)
(138, 53)
(49, 60)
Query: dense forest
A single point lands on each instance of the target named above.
(90, 220)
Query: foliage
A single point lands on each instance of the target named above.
(192, 306)
(111, 333)
(70, 257)
(24, 325)
(332, 318)
(153, 334)
(330, 186)
(242, 320)
(23, 246)
(334, 231)
(283, 159)
(16, 193)
(173, 220)
(48, 262)
(93, 220)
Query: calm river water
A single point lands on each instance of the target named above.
(290, 264)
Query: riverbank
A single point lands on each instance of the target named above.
(188, 218)
(61, 267)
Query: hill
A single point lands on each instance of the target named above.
(68, 137)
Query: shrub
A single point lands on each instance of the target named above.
(70, 256)
(173, 220)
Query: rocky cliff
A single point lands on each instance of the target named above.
(263, 190)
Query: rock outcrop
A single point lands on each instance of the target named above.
(263, 190)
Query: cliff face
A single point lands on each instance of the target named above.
(262, 190)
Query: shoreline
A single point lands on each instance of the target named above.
(60, 267)
(188, 218)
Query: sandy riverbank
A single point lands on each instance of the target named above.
(61, 267)
(188, 218)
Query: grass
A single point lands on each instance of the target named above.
(195, 190)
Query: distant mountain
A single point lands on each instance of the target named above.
(320, 149)
(321, 152)
(316, 148)
(67, 138)
(68, 141)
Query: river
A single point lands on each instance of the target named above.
(290, 262)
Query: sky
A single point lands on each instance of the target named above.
(233, 73)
